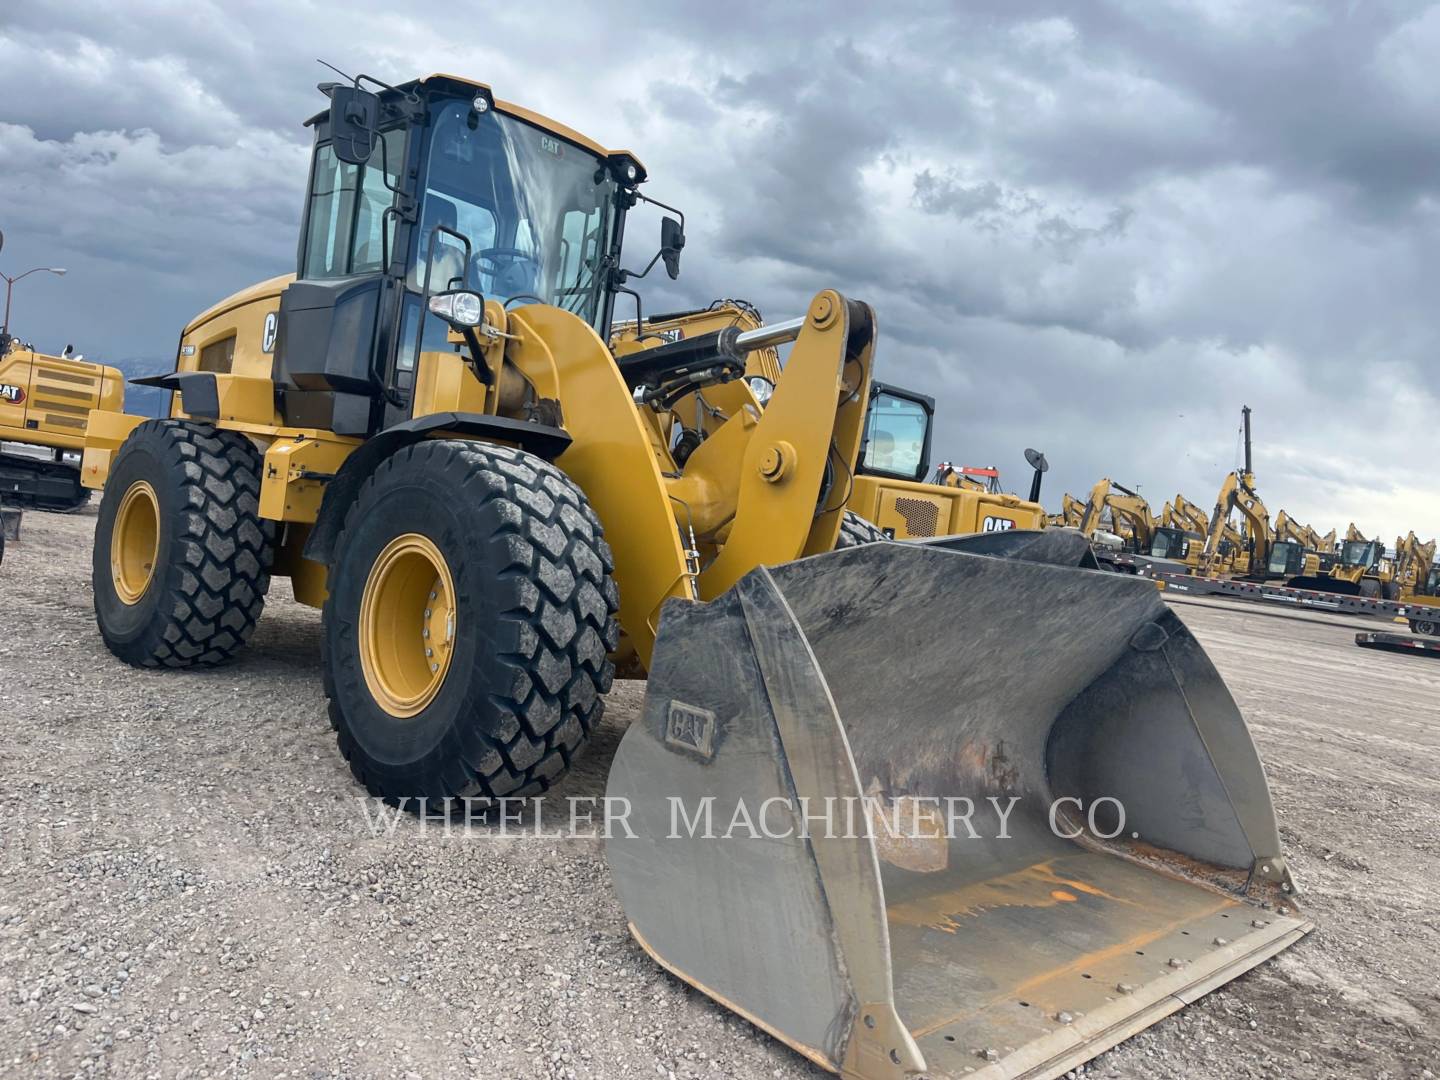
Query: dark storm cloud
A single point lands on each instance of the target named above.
(1097, 228)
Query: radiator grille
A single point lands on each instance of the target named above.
(921, 515)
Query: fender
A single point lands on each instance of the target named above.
(538, 439)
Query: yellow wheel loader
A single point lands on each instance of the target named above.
(44, 403)
(425, 430)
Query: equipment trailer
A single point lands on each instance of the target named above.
(1423, 618)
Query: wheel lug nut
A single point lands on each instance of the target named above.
(429, 652)
(427, 613)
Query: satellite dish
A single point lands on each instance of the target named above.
(1037, 460)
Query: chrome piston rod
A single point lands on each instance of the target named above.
(764, 337)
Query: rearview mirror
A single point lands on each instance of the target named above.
(354, 122)
(1036, 461)
(672, 242)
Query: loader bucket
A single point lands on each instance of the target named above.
(885, 931)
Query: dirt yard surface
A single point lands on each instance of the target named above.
(189, 886)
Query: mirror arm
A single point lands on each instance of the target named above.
(663, 206)
(622, 276)
(477, 362)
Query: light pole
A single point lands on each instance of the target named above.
(58, 271)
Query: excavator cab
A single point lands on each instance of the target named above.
(1168, 542)
(1287, 559)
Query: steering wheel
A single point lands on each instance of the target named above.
(501, 258)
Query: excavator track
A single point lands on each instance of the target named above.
(34, 484)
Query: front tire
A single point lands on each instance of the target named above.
(181, 561)
(856, 531)
(470, 618)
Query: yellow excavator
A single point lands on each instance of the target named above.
(1181, 513)
(1128, 511)
(1237, 492)
(1188, 515)
(44, 403)
(888, 494)
(1413, 562)
(1071, 511)
(1287, 528)
(424, 429)
(1417, 581)
(1298, 548)
(1260, 552)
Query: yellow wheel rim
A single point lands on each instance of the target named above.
(407, 625)
(135, 542)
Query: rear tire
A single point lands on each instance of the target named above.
(1425, 626)
(184, 582)
(497, 554)
(855, 531)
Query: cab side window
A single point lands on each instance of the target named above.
(895, 437)
(348, 230)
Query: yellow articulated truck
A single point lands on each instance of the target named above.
(425, 429)
(44, 405)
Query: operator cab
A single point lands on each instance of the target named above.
(1171, 543)
(428, 188)
(1287, 559)
(897, 434)
(1366, 553)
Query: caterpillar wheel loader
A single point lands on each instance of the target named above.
(425, 430)
(888, 496)
(45, 402)
(1355, 569)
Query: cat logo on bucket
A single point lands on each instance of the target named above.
(11, 394)
(996, 524)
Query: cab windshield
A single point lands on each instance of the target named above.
(513, 212)
(1359, 553)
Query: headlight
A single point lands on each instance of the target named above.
(761, 387)
(459, 308)
(626, 170)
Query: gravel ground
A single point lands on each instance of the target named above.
(189, 886)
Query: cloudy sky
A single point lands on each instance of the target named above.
(1094, 228)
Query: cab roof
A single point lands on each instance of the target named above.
(564, 131)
